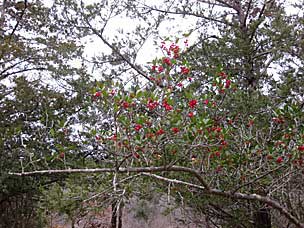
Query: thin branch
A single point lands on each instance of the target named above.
(14, 65)
(20, 71)
(173, 181)
(136, 68)
(264, 53)
(18, 22)
(258, 178)
(267, 64)
(247, 12)
(234, 6)
(191, 14)
(108, 189)
(259, 22)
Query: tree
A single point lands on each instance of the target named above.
(197, 143)
(35, 111)
(219, 141)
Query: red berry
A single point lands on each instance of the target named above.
(160, 132)
(125, 104)
(251, 122)
(97, 94)
(167, 61)
(180, 84)
(301, 148)
(192, 103)
(152, 104)
(223, 75)
(137, 127)
(227, 84)
(113, 137)
(160, 69)
(136, 155)
(153, 68)
(175, 130)
(279, 160)
(190, 114)
(185, 70)
(61, 155)
(97, 137)
(221, 91)
(167, 106)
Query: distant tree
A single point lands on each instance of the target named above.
(39, 94)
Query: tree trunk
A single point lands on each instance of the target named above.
(262, 218)
(116, 219)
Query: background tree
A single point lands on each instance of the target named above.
(40, 93)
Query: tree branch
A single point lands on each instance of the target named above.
(260, 20)
(236, 195)
(174, 181)
(258, 178)
(190, 14)
(119, 170)
(18, 22)
(149, 170)
(247, 12)
(124, 58)
(14, 65)
(20, 71)
(263, 199)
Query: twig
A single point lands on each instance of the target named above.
(18, 22)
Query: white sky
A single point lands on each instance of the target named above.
(149, 50)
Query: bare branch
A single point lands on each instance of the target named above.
(174, 181)
(229, 5)
(247, 12)
(14, 65)
(260, 20)
(205, 187)
(124, 58)
(263, 199)
(191, 14)
(237, 195)
(215, 3)
(258, 178)
(18, 22)
(119, 170)
(20, 71)
(110, 188)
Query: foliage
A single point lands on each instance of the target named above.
(167, 123)
(34, 110)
